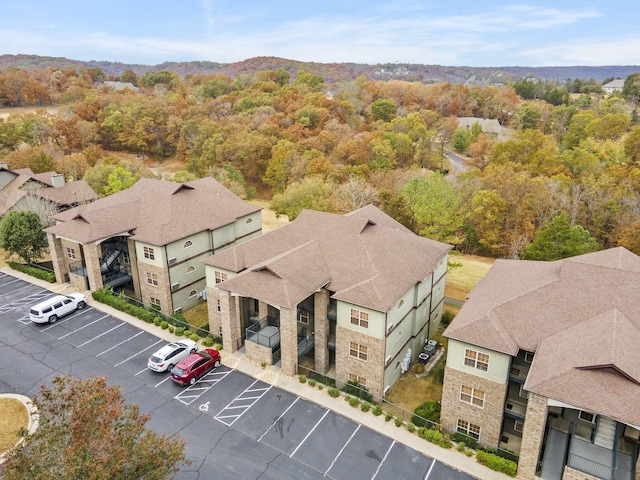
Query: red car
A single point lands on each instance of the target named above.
(187, 371)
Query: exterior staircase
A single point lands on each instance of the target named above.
(107, 260)
(605, 433)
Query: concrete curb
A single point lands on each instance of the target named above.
(32, 419)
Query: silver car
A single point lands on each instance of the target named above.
(169, 355)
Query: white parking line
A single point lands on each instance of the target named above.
(309, 434)
(277, 419)
(232, 404)
(195, 391)
(118, 344)
(167, 378)
(136, 354)
(430, 468)
(108, 331)
(77, 329)
(342, 450)
(383, 459)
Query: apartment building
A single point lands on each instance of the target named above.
(543, 360)
(149, 240)
(355, 296)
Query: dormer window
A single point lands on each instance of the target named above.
(187, 244)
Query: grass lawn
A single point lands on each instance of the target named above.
(14, 417)
(464, 272)
(198, 316)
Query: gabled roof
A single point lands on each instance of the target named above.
(365, 258)
(155, 212)
(579, 315)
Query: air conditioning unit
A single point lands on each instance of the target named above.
(178, 310)
(203, 294)
(387, 360)
(175, 286)
(172, 260)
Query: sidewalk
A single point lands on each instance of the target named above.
(273, 377)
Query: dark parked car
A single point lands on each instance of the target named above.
(187, 371)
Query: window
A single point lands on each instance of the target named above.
(152, 279)
(220, 277)
(191, 269)
(358, 351)
(303, 317)
(401, 303)
(469, 429)
(471, 396)
(359, 380)
(528, 357)
(193, 293)
(587, 416)
(359, 318)
(218, 306)
(155, 303)
(187, 244)
(518, 426)
(148, 253)
(523, 392)
(249, 220)
(125, 258)
(476, 360)
(71, 253)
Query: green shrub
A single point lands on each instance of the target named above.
(157, 321)
(411, 427)
(461, 447)
(497, 463)
(164, 325)
(357, 390)
(377, 410)
(388, 416)
(399, 422)
(333, 392)
(434, 436)
(34, 272)
(302, 378)
(218, 346)
(195, 337)
(312, 382)
(171, 329)
(179, 331)
(320, 386)
(426, 414)
(447, 316)
(466, 439)
(354, 401)
(438, 373)
(207, 342)
(365, 407)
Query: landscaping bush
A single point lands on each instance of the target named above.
(157, 321)
(411, 427)
(333, 392)
(426, 414)
(207, 342)
(320, 386)
(466, 439)
(377, 410)
(164, 325)
(195, 337)
(438, 373)
(388, 416)
(447, 317)
(34, 272)
(302, 378)
(399, 422)
(497, 463)
(365, 407)
(354, 401)
(179, 331)
(434, 436)
(357, 390)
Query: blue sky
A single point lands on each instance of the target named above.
(464, 32)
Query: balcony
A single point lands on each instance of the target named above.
(265, 332)
(515, 409)
(519, 372)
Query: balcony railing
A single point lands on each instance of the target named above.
(265, 332)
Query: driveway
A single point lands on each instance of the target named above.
(235, 425)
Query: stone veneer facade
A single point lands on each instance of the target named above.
(532, 435)
(371, 369)
(161, 292)
(488, 417)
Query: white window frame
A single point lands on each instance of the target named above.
(475, 397)
(359, 351)
(472, 359)
(152, 279)
(465, 427)
(523, 393)
(360, 318)
(71, 253)
(303, 317)
(154, 302)
(518, 425)
(358, 379)
(591, 420)
(528, 357)
(190, 269)
(192, 293)
(149, 253)
(220, 276)
(187, 244)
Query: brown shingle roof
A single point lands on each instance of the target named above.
(365, 257)
(155, 211)
(72, 192)
(579, 315)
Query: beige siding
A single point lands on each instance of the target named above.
(200, 242)
(424, 288)
(377, 320)
(499, 363)
(248, 225)
(158, 253)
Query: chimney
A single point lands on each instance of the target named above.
(57, 180)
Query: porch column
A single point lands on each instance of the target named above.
(230, 321)
(133, 264)
(532, 434)
(263, 309)
(91, 253)
(60, 267)
(289, 340)
(321, 330)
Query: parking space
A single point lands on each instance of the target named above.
(245, 428)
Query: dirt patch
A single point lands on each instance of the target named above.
(14, 418)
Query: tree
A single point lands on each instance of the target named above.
(383, 109)
(312, 193)
(558, 239)
(22, 233)
(87, 431)
(119, 179)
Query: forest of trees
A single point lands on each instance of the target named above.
(573, 153)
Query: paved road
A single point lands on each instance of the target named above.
(235, 426)
(456, 161)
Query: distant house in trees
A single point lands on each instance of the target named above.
(613, 86)
(490, 126)
(149, 239)
(46, 193)
(117, 86)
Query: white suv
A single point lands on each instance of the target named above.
(56, 307)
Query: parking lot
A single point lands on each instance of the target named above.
(235, 426)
